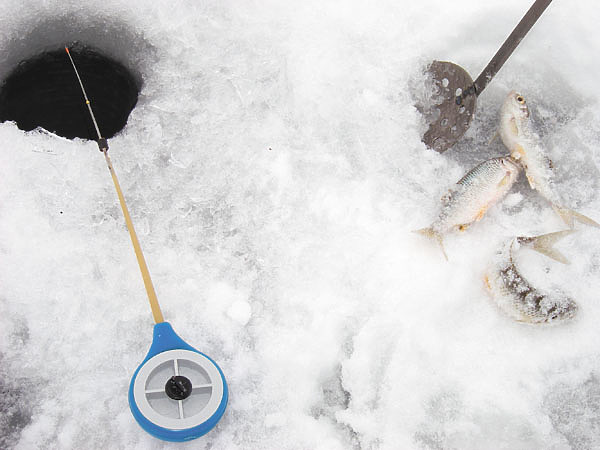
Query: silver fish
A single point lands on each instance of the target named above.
(516, 296)
(471, 197)
(524, 146)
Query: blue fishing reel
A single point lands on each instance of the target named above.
(177, 393)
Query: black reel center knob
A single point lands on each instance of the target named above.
(178, 387)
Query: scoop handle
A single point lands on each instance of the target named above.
(510, 44)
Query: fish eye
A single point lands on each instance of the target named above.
(520, 99)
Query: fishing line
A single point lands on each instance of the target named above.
(87, 100)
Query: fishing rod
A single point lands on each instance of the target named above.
(103, 146)
(196, 393)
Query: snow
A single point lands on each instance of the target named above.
(274, 171)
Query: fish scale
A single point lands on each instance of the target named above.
(482, 172)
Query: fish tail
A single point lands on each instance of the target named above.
(545, 242)
(433, 235)
(569, 216)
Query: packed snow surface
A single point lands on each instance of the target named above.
(274, 171)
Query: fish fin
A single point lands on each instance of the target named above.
(504, 180)
(513, 126)
(481, 213)
(494, 137)
(433, 235)
(584, 219)
(530, 180)
(544, 244)
(486, 280)
(569, 216)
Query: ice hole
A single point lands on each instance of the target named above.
(43, 91)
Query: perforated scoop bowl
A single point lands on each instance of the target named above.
(451, 108)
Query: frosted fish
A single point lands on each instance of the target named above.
(468, 201)
(524, 146)
(516, 296)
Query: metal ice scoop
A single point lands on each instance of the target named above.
(456, 93)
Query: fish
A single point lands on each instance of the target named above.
(470, 198)
(524, 146)
(516, 296)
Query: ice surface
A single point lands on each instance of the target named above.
(274, 171)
